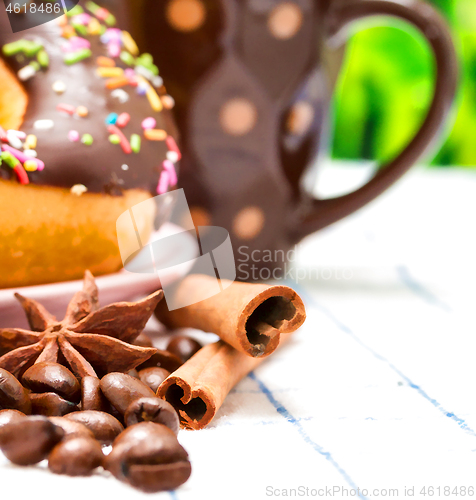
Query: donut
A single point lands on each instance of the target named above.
(86, 133)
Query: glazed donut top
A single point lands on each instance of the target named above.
(98, 114)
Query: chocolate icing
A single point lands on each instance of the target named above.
(99, 166)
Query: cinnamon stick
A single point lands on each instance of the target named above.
(199, 387)
(251, 317)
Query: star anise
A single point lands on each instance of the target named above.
(89, 340)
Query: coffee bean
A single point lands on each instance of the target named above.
(133, 373)
(153, 377)
(72, 428)
(77, 456)
(29, 440)
(92, 398)
(143, 340)
(149, 457)
(104, 426)
(7, 416)
(121, 390)
(158, 477)
(52, 377)
(91, 395)
(152, 410)
(162, 359)
(13, 396)
(183, 347)
(50, 404)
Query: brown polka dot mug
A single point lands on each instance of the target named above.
(252, 94)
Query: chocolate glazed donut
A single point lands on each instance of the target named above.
(85, 133)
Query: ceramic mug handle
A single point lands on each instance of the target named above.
(320, 213)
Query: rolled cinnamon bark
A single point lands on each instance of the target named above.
(250, 317)
(199, 387)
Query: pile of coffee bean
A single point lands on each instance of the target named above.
(50, 414)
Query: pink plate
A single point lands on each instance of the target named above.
(120, 286)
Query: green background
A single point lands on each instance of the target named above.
(386, 86)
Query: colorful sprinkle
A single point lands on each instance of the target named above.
(43, 58)
(109, 72)
(114, 49)
(126, 147)
(110, 20)
(133, 81)
(82, 18)
(75, 11)
(30, 48)
(172, 145)
(14, 140)
(142, 88)
(73, 135)
(136, 143)
(130, 73)
(3, 134)
(75, 57)
(123, 119)
(59, 87)
(17, 133)
(66, 108)
(31, 152)
(111, 119)
(172, 156)
(79, 28)
(154, 99)
(149, 123)
(87, 139)
(170, 168)
(163, 184)
(129, 43)
(78, 189)
(68, 32)
(115, 83)
(13, 48)
(127, 58)
(9, 159)
(30, 166)
(155, 134)
(31, 141)
(104, 15)
(114, 139)
(94, 27)
(125, 167)
(21, 174)
(147, 61)
(121, 95)
(157, 82)
(82, 111)
(76, 43)
(114, 34)
(26, 73)
(92, 7)
(168, 101)
(105, 62)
